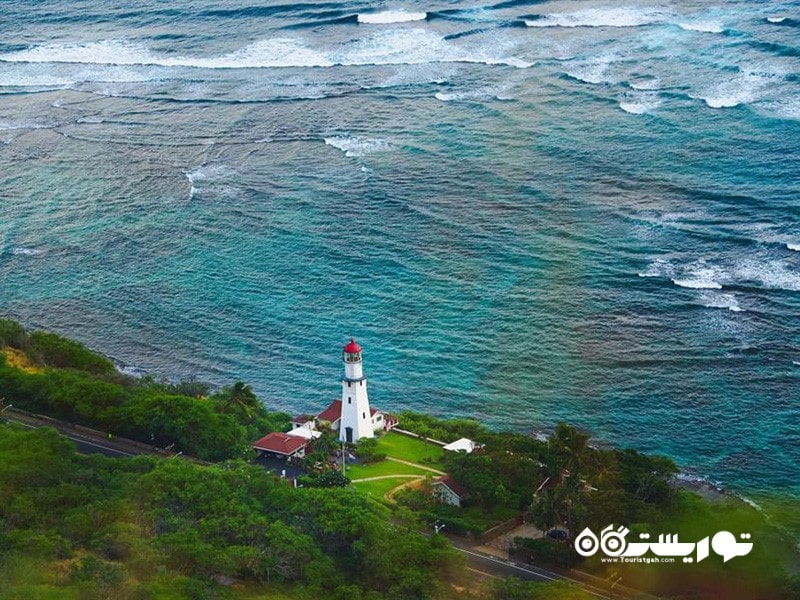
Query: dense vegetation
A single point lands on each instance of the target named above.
(91, 527)
(565, 482)
(127, 528)
(68, 381)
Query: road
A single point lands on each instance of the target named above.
(492, 566)
(90, 441)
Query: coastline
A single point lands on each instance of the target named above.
(700, 484)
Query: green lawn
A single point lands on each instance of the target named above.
(384, 467)
(378, 488)
(407, 448)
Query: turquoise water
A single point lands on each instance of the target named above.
(525, 212)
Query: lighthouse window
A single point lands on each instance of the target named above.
(363, 415)
(349, 400)
(361, 382)
(348, 384)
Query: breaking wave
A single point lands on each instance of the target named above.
(391, 17)
(702, 26)
(408, 46)
(717, 300)
(698, 284)
(601, 17)
(639, 104)
(22, 251)
(356, 147)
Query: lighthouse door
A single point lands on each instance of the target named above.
(348, 433)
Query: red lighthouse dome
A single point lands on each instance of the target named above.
(352, 347)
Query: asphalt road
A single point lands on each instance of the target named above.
(484, 564)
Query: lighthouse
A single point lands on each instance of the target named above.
(356, 420)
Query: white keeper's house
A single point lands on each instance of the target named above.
(351, 416)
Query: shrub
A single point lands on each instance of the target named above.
(545, 550)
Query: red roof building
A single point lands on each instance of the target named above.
(447, 490)
(281, 444)
(332, 414)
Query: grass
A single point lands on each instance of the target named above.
(384, 467)
(395, 445)
(411, 449)
(378, 488)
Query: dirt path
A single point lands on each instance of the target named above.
(390, 494)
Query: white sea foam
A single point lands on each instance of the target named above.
(207, 172)
(697, 284)
(487, 93)
(384, 47)
(593, 71)
(761, 270)
(795, 247)
(723, 102)
(658, 268)
(22, 251)
(391, 17)
(776, 19)
(740, 89)
(646, 84)
(717, 300)
(131, 371)
(356, 147)
(702, 26)
(639, 104)
(6, 126)
(602, 17)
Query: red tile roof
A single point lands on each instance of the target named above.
(333, 413)
(372, 411)
(280, 443)
(451, 483)
(302, 419)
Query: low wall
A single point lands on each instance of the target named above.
(419, 437)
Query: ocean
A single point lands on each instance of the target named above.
(526, 212)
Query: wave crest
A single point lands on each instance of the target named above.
(357, 147)
(391, 17)
(601, 17)
(405, 46)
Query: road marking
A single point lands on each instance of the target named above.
(82, 441)
(585, 587)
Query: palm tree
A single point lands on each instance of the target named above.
(571, 447)
(241, 398)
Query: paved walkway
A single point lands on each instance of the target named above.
(417, 465)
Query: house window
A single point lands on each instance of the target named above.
(378, 418)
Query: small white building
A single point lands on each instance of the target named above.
(462, 445)
(446, 490)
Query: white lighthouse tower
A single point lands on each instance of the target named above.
(356, 420)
